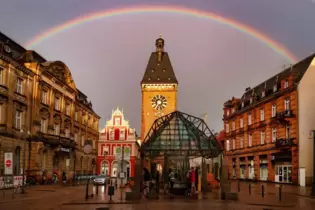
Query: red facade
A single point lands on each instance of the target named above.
(116, 133)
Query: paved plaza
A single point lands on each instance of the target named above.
(53, 197)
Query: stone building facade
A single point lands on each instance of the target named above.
(263, 134)
(39, 103)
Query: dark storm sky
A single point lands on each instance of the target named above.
(212, 61)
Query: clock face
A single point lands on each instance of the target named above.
(159, 102)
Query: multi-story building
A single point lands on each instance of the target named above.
(267, 129)
(117, 134)
(40, 103)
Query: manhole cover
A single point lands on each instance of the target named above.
(102, 208)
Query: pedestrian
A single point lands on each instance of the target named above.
(171, 177)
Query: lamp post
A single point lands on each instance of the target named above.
(26, 135)
(313, 184)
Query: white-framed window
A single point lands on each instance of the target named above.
(286, 84)
(275, 87)
(263, 93)
(56, 129)
(274, 134)
(263, 172)
(242, 142)
(233, 125)
(19, 86)
(262, 137)
(262, 114)
(68, 109)
(287, 104)
(43, 125)
(233, 142)
(227, 145)
(288, 131)
(241, 123)
(18, 119)
(44, 96)
(250, 140)
(57, 103)
(249, 119)
(67, 132)
(122, 134)
(76, 116)
(227, 128)
(111, 134)
(233, 110)
(227, 112)
(273, 110)
(1, 76)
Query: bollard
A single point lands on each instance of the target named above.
(280, 193)
(87, 190)
(238, 186)
(262, 191)
(249, 189)
(96, 189)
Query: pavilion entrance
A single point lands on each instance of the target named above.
(170, 144)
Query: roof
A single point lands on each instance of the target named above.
(180, 134)
(297, 71)
(159, 69)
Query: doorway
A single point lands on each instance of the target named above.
(283, 173)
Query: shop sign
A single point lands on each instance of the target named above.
(62, 149)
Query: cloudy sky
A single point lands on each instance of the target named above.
(212, 61)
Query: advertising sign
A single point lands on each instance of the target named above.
(8, 163)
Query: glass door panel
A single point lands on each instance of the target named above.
(285, 174)
(290, 173)
(280, 174)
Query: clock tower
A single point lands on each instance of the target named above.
(159, 88)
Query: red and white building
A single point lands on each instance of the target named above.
(116, 133)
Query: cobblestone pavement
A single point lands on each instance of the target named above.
(67, 198)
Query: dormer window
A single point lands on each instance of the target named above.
(251, 100)
(286, 84)
(243, 104)
(263, 93)
(275, 87)
(233, 110)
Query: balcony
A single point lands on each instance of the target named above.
(20, 98)
(233, 133)
(240, 130)
(284, 142)
(250, 127)
(262, 124)
(285, 114)
(55, 140)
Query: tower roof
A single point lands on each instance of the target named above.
(159, 69)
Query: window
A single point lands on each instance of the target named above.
(105, 150)
(76, 138)
(286, 84)
(233, 146)
(243, 104)
(287, 104)
(227, 128)
(76, 116)
(249, 119)
(287, 131)
(68, 109)
(93, 144)
(44, 97)
(233, 125)
(82, 140)
(273, 110)
(122, 134)
(19, 86)
(262, 114)
(241, 123)
(250, 140)
(111, 134)
(18, 119)
(242, 142)
(262, 137)
(263, 172)
(56, 129)
(251, 100)
(67, 132)
(274, 134)
(263, 93)
(227, 112)
(275, 87)
(43, 123)
(117, 121)
(227, 145)
(1, 76)
(233, 110)
(57, 103)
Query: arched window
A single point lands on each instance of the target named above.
(16, 162)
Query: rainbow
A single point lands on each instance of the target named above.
(275, 46)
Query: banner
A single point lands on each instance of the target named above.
(8, 163)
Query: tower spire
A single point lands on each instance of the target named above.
(159, 43)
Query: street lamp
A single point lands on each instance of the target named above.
(26, 135)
